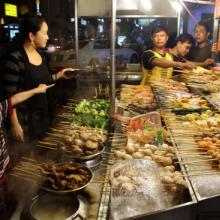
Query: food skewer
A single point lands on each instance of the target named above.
(31, 173)
(47, 143)
(198, 161)
(24, 177)
(34, 161)
(54, 134)
(43, 146)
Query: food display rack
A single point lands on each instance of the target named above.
(186, 209)
(192, 208)
(199, 207)
(207, 205)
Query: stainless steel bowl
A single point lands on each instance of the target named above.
(48, 189)
(54, 207)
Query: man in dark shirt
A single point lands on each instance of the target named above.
(202, 51)
(181, 48)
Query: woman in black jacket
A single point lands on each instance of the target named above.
(24, 69)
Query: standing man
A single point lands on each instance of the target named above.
(202, 52)
(157, 63)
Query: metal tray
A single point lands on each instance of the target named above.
(73, 190)
(88, 157)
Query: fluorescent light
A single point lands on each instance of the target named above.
(177, 6)
(146, 4)
(127, 5)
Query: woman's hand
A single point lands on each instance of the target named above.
(42, 88)
(17, 132)
(61, 74)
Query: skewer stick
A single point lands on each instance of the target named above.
(109, 153)
(54, 134)
(64, 126)
(29, 164)
(203, 173)
(28, 175)
(23, 177)
(34, 161)
(118, 145)
(192, 153)
(43, 146)
(53, 139)
(28, 172)
(57, 130)
(47, 143)
(198, 161)
(64, 122)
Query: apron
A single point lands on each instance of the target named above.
(157, 73)
(38, 106)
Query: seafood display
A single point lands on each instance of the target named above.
(140, 96)
(201, 70)
(171, 86)
(203, 79)
(164, 156)
(208, 120)
(199, 150)
(189, 103)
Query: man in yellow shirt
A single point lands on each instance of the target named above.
(157, 63)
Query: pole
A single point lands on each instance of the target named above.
(178, 22)
(113, 35)
(76, 34)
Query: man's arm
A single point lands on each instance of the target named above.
(150, 60)
(206, 63)
(168, 63)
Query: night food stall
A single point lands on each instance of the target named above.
(158, 158)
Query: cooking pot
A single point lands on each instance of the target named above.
(54, 207)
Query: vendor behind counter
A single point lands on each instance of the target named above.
(157, 63)
(202, 52)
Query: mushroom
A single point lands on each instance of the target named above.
(78, 142)
(84, 135)
(147, 152)
(169, 168)
(167, 180)
(119, 155)
(138, 155)
(130, 149)
(147, 158)
(91, 145)
(127, 157)
(76, 150)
